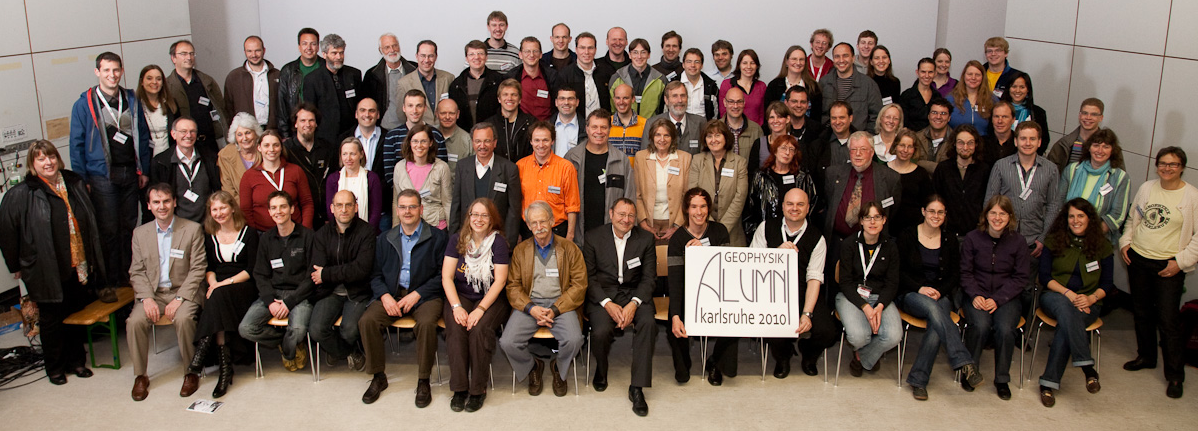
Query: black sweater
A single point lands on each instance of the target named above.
(293, 256)
(884, 276)
(349, 259)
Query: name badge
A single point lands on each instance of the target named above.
(453, 158)
(634, 262)
(714, 99)
(426, 193)
(998, 93)
(886, 203)
(671, 76)
(705, 241)
(1026, 194)
(788, 179)
(1092, 266)
(602, 178)
(728, 172)
(238, 246)
(276, 263)
(638, 99)
(349, 94)
(120, 138)
(500, 187)
(443, 96)
(1106, 188)
(863, 290)
(551, 272)
(214, 114)
(543, 94)
(204, 101)
(673, 170)
(191, 196)
(694, 143)
(176, 253)
(887, 101)
(555, 190)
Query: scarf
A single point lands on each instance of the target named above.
(1021, 112)
(480, 268)
(78, 252)
(359, 187)
(1077, 184)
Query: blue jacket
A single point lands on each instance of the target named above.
(427, 255)
(89, 141)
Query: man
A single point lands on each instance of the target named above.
(1068, 149)
(291, 77)
(848, 186)
(1035, 197)
(627, 128)
(501, 55)
(866, 41)
(551, 179)
(621, 263)
(817, 61)
(702, 91)
(380, 82)
(744, 131)
(961, 180)
(191, 172)
(538, 82)
(414, 107)
(616, 57)
(313, 154)
(565, 122)
(793, 232)
(591, 79)
(1000, 142)
(369, 133)
(547, 282)
(288, 253)
(999, 72)
(840, 127)
(721, 62)
(511, 123)
(407, 266)
(476, 89)
(333, 89)
(807, 132)
(486, 174)
(254, 86)
(853, 87)
(599, 168)
(670, 65)
(939, 111)
(690, 126)
(344, 281)
(560, 57)
(433, 82)
(197, 96)
(457, 141)
(110, 147)
(166, 273)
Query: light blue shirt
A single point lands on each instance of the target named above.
(369, 145)
(567, 135)
(407, 242)
(164, 253)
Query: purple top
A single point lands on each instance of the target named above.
(995, 269)
(500, 255)
(947, 88)
(373, 186)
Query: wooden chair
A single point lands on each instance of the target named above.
(282, 323)
(102, 315)
(1093, 330)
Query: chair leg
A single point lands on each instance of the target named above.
(154, 337)
(587, 377)
(1097, 350)
(825, 355)
(316, 360)
(491, 368)
(1035, 345)
(839, 356)
(574, 364)
(1025, 335)
(902, 354)
(437, 357)
(258, 373)
(312, 359)
(703, 358)
(761, 348)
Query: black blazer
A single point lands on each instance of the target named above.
(912, 277)
(488, 97)
(573, 77)
(886, 185)
(509, 202)
(599, 253)
(336, 101)
(374, 82)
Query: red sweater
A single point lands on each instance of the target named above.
(255, 188)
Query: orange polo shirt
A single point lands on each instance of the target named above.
(555, 182)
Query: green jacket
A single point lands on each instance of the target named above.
(650, 101)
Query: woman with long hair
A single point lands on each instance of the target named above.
(972, 98)
(943, 82)
(158, 107)
(272, 174)
(697, 230)
(421, 170)
(746, 75)
(882, 72)
(794, 72)
(1099, 177)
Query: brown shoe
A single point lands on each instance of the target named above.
(191, 382)
(141, 388)
(559, 384)
(106, 294)
(534, 377)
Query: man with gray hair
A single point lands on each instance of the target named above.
(333, 89)
(380, 82)
(849, 186)
(690, 126)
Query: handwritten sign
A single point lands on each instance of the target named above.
(742, 292)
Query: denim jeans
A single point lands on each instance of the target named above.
(337, 341)
(1002, 325)
(1070, 338)
(256, 327)
(941, 329)
(869, 346)
(115, 200)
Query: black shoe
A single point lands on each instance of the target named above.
(225, 379)
(714, 377)
(559, 384)
(966, 386)
(1138, 364)
(920, 394)
(1092, 385)
(971, 375)
(424, 393)
(782, 369)
(458, 402)
(535, 384)
(59, 380)
(377, 385)
(1047, 398)
(1004, 391)
(83, 372)
(106, 294)
(637, 396)
(1174, 389)
(808, 366)
(855, 367)
(600, 382)
(475, 402)
(682, 376)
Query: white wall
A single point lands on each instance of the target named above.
(963, 27)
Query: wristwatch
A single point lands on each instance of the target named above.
(179, 298)
(808, 314)
(455, 306)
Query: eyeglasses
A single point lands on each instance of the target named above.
(407, 207)
(1168, 165)
(184, 54)
(1002, 214)
(873, 218)
(734, 102)
(963, 142)
(938, 114)
(343, 206)
(483, 216)
(935, 212)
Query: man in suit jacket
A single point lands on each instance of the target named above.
(877, 183)
(691, 131)
(495, 175)
(613, 176)
(621, 264)
(166, 273)
(427, 77)
(379, 82)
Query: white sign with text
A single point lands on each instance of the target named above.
(742, 292)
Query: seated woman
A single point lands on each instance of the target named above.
(869, 281)
(234, 160)
(724, 175)
(357, 179)
(917, 183)
(994, 270)
(931, 272)
(697, 230)
(661, 178)
(422, 171)
(1077, 267)
(780, 173)
(474, 275)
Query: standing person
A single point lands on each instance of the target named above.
(538, 80)
(882, 72)
(961, 181)
(721, 61)
(291, 78)
(590, 78)
(1068, 149)
(725, 177)
(334, 89)
(848, 85)
(511, 124)
(550, 179)
(1036, 198)
(253, 88)
(616, 57)
(190, 171)
(502, 56)
(999, 72)
(915, 180)
(818, 62)
(916, 101)
(943, 82)
(890, 120)
(1099, 177)
(972, 99)
(343, 282)
(690, 126)
(661, 178)
(457, 141)
(560, 56)
(159, 109)
(1159, 247)
(647, 83)
(315, 156)
(794, 73)
(697, 230)
(198, 96)
(422, 171)
(433, 84)
(599, 167)
(271, 175)
(364, 184)
(1020, 95)
(234, 160)
(865, 304)
(937, 132)
(782, 171)
(379, 83)
(866, 41)
(671, 63)
(747, 78)
(485, 174)
(50, 241)
(745, 132)
(702, 91)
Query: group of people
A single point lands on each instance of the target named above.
(533, 189)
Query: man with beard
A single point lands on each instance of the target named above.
(333, 89)
(690, 126)
(313, 154)
(379, 82)
(254, 86)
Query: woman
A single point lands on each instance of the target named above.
(973, 99)
(1158, 251)
(943, 82)
(915, 100)
(931, 272)
(661, 178)
(50, 241)
(354, 177)
(474, 275)
(231, 248)
(647, 83)
(883, 74)
(746, 77)
(777, 122)
(697, 230)
(1019, 93)
(916, 182)
(422, 171)
(869, 281)
(234, 160)
(818, 62)
(794, 72)
(158, 107)
(1077, 267)
(780, 173)
(271, 174)
(994, 270)
(1099, 177)
(725, 176)
(890, 120)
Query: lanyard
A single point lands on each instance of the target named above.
(866, 268)
(798, 236)
(120, 106)
(195, 170)
(1025, 185)
(279, 185)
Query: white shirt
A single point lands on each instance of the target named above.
(815, 265)
(881, 151)
(694, 97)
(261, 93)
(621, 244)
(481, 169)
(567, 135)
(661, 199)
(370, 145)
(590, 92)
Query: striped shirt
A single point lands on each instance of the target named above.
(393, 149)
(502, 59)
(626, 137)
(1035, 213)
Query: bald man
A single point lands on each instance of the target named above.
(457, 141)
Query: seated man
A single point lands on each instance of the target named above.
(287, 253)
(407, 265)
(344, 281)
(168, 267)
(621, 264)
(546, 284)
